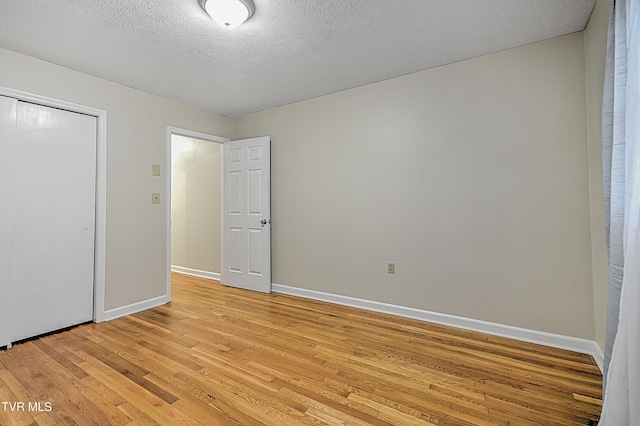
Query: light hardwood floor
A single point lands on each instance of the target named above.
(218, 356)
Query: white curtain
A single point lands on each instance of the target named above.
(621, 163)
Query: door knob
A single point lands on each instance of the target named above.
(263, 222)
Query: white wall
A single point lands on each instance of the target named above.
(595, 43)
(195, 204)
(136, 136)
(472, 177)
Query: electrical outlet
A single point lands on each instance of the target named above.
(155, 198)
(391, 268)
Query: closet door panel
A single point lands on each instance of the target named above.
(52, 257)
(8, 109)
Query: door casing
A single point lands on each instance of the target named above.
(101, 186)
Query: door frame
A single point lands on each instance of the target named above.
(171, 130)
(100, 239)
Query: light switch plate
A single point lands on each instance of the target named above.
(155, 169)
(155, 198)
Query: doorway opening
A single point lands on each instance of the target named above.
(194, 204)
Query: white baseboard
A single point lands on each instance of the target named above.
(574, 344)
(598, 356)
(134, 308)
(196, 272)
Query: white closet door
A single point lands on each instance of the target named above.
(52, 242)
(8, 109)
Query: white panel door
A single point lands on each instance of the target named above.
(52, 217)
(246, 259)
(8, 110)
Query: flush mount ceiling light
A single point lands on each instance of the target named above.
(228, 13)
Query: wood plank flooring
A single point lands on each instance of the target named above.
(222, 356)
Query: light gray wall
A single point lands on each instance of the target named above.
(472, 177)
(136, 138)
(195, 204)
(595, 46)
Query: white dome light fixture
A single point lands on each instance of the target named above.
(228, 13)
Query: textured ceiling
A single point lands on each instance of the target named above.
(290, 50)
